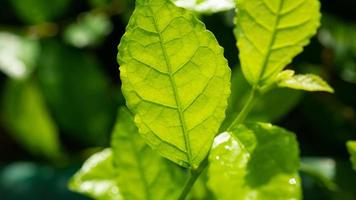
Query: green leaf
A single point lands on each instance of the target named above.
(308, 82)
(206, 6)
(38, 11)
(142, 173)
(255, 161)
(78, 92)
(97, 178)
(351, 147)
(18, 55)
(28, 120)
(175, 80)
(90, 30)
(271, 33)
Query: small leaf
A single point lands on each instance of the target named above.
(271, 33)
(142, 173)
(308, 82)
(28, 120)
(97, 178)
(351, 147)
(18, 55)
(175, 80)
(255, 161)
(206, 6)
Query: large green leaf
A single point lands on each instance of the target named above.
(206, 6)
(351, 146)
(175, 80)
(271, 33)
(142, 173)
(97, 178)
(28, 120)
(255, 161)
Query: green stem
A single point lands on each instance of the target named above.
(193, 177)
(245, 110)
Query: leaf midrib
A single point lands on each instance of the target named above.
(175, 91)
(270, 44)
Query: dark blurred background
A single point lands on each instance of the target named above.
(60, 90)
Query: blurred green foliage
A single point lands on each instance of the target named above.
(60, 90)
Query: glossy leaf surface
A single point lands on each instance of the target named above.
(97, 178)
(271, 33)
(142, 173)
(175, 80)
(255, 161)
(351, 146)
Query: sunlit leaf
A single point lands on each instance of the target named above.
(89, 30)
(307, 82)
(96, 178)
(18, 55)
(206, 6)
(175, 80)
(37, 11)
(27, 119)
(255, 161)
(142, 173)
(271, 33)
(351, 146)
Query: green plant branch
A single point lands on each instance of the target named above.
(193, 177)
(246, 109)
(194, 174)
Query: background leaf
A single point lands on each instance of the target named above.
(267, 44)
(255, 161)
(351, 146)
(175, 80)
(26, 116)
(97, 178)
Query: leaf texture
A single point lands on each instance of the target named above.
(142, 173)
(97, 178)
(271, 32)
(256, 162)
(175, 80)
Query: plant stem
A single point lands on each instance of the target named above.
(245, 110)
(193, 176)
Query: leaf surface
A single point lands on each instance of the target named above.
(255, 161)
(206, 6)
(351, 147)
(271, 33)
(142, 173)
(97, 178)
(307, 82)
(175, 80)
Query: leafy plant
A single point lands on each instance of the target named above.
(176, 83)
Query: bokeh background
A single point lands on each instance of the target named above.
(60, 90)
